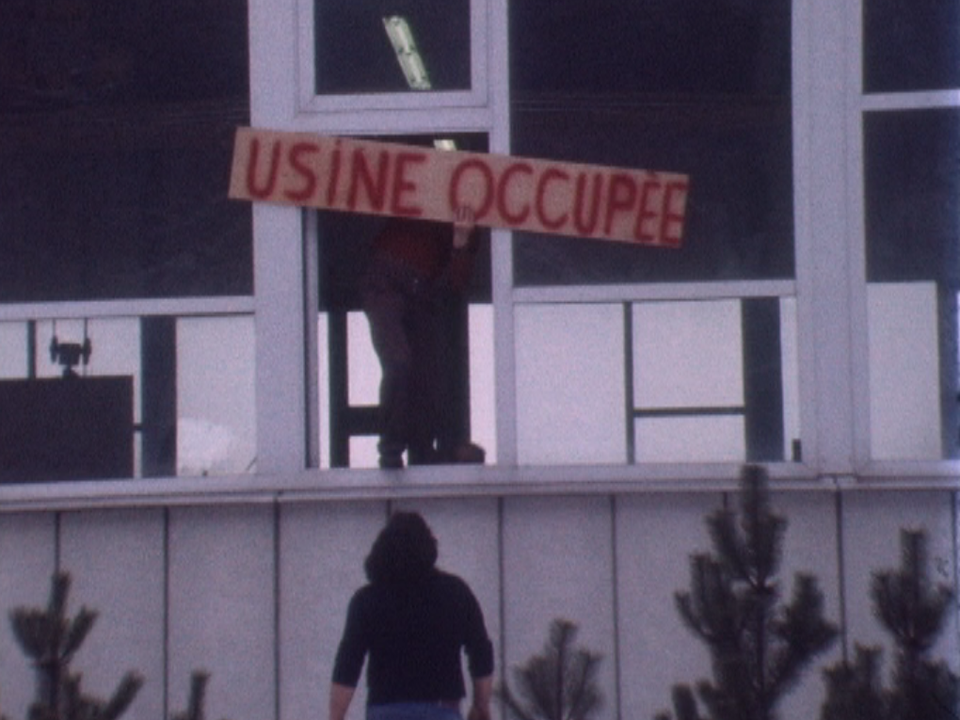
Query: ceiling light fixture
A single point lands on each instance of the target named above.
(401, 37)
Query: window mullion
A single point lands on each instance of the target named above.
(826, 259)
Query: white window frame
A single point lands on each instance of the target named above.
(311, 102)
(277, 258)
(282, 97)
(858, 104)
(830, 284)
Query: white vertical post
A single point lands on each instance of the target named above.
(282, 389)
(281, 341)
(501, 250)
(825, 247)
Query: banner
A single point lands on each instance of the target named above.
(593, 201)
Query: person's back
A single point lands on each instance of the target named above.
(410, 624)
(413, 635)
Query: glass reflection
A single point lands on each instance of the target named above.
(391, 46)
(910, 46)
(912, 214)
(170, 396)
(701, 88)
(116, 128)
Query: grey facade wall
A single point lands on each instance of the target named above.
(255, 593)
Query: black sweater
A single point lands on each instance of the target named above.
(413, 635)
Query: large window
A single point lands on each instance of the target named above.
(911, 145)
(910, 46)
(809, 318)
(626, 378)
(398, 46)
(683, 355)
(126, 334)
(665, 381)
(120, 397)
(695, 87)
(350, 372)
(116, 128)
(407, 54)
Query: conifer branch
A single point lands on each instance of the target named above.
(758, 648)
(559, 684)
(50, 640)
(913, 612)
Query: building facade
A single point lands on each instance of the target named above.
(808, 323)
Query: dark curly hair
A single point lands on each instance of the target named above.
(404, 551)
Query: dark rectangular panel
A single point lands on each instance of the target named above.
(66, 429)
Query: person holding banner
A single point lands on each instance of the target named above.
(416, 266)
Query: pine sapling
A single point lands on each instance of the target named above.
(560, 683)
(913, 611)
(198, 691)
(855, 690)
(758, 646)
(50, 639)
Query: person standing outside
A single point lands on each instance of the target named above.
(410, 623)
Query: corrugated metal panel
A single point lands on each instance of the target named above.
(27, 561)
(222, 608)
(116, 561)
(810, 546)
(558, 563)
(251, 610)
(322, 547)
(655, 536)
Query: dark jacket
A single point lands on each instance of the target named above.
(412, 636)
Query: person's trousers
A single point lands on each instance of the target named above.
(404, 327)
(413, 711)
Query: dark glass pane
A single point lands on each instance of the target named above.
(701, 88)
(912, 176)
(912, 205)
(116, 130)
(911, 45)
(355, 52)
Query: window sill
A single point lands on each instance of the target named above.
(440, 482)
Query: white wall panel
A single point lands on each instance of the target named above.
(810, 547)
(222, 609)
(322, 549)
(871, 543)
(558, 563)
(27, 562)
(116, 561)
(656, 534)
(570, 384)
(610, 566)
(905, 422)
